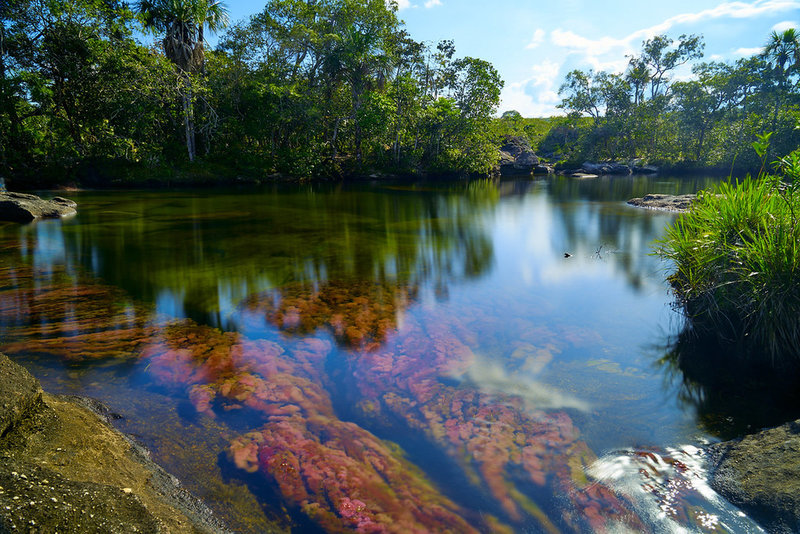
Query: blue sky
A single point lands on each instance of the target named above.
(534, 43)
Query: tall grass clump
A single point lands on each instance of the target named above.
(737, 260)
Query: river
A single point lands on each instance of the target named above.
(483, 356)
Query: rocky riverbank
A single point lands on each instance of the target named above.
(65, 469)
(676, 203)
(760, 473)
(22, 207)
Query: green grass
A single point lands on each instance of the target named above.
(737, 259)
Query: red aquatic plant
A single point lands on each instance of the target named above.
(360, 314)
(338, 473)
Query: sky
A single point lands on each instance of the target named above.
(535, 43)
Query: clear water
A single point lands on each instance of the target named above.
(478, 356)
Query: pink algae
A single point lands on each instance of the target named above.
(339, 473)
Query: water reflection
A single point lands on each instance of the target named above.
(403, 358)
(281, 397)
(205, 253)
(732, 395)
(670, 489)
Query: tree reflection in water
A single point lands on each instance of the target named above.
(339, 473)
(362, 404)
(733, 394)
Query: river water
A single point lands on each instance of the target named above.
(471, 357)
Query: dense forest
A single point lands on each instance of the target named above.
(325, 88)
(93, 89)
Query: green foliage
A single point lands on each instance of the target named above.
(737, 259)
(706, 121)
(321, 88)
(75, 87)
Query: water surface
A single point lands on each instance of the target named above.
(478, 356)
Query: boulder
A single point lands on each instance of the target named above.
(606, 168)
(678, 203)
(19, 394)
(517, 156)
(543, 168)
(760, 474)
(64, 468)
(20, 207)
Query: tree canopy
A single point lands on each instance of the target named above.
(656, 111)
(305, 87)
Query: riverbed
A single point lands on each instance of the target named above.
(480, 356)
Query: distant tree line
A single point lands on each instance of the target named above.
(306, 87)
(710, 119)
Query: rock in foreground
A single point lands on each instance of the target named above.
(678, 203)
(760, 473)
(21, 207)
(64, 469)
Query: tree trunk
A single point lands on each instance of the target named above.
(357, 126)
(188, 118)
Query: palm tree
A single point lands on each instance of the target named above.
(782, 48)
(183, 22)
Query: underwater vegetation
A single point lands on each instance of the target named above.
(323, 385)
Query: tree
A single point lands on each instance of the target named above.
(183, 22)
(582, 94)
(782, 48)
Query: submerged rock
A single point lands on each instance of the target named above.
(65, 469)
(760, 473)
(678, 203)
(21, 207)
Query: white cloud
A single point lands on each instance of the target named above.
(431, 3)
(747, 52)
(785, 25)
(537, 39)
(535, 96)
(596, 51)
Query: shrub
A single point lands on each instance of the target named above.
(737, 260)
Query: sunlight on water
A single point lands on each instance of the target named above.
(670, 489)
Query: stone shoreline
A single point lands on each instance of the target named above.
(65, 469)
(674, 203)
(760, 473)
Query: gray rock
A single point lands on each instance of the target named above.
(606, 168)
(36, 499)
(678, 203)
(543, 168)
(20, 207)
(645, 169)
(760, 473)
(517, 156)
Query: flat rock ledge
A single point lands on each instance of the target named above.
(21, 207)
(64, 469)
(760, 473)
(676, 203)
